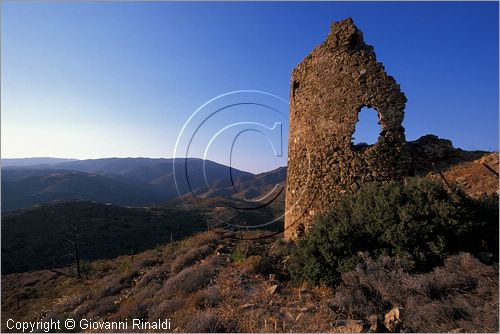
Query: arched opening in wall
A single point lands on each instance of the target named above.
(367, 129)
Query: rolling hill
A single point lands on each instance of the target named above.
(39, 237)
(129, 181)
(70, 185)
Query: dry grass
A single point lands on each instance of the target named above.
(190, 257)
(215, 293)
(207, 238)
(255, 264)
(203, 322)
(461, 294)
(474, 177)
(113, 284)
(209, 297)
(190, 279)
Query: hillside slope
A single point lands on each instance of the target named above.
(477, 178)
(214, 282)
(40, 237)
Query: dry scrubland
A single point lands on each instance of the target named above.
(210, 283)
(379, 249)
(213, 281)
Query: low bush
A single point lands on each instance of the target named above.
(157, 274)
(237, 256)
(146, 263)
(166, 308)
(280, 249)
(418, 221)
(463, 293)
(208, 297)
(191, 279)
(251, 247)
(207, 238)
(202, 322)
(113, 284)
(191, 257)
(102, 307)
(255, 264)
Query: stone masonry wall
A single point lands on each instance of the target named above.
(328, 89)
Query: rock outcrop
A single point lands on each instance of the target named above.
(328, 90)
(392, 320)
(432, 149)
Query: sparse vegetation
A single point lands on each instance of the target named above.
(209, 297)
(190, 279)
(191, 257)
(463, 293)
(255, 264)
(389, 246)
(215, 293)
(237, 256)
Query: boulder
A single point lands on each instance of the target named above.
(393, 321)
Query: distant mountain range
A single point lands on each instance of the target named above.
(19, 162)
(127, 181)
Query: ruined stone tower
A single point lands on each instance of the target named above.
(328, 89)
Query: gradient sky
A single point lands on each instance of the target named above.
(102, 79)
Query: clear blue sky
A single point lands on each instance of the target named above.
(101, 79)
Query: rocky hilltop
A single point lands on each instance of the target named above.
(328, 90)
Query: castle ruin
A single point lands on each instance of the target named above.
(328, 90)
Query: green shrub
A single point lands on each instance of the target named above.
(86, 269)
(417, 221)
(255, 264)
(237, 256)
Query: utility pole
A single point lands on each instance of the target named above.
(76, 250)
